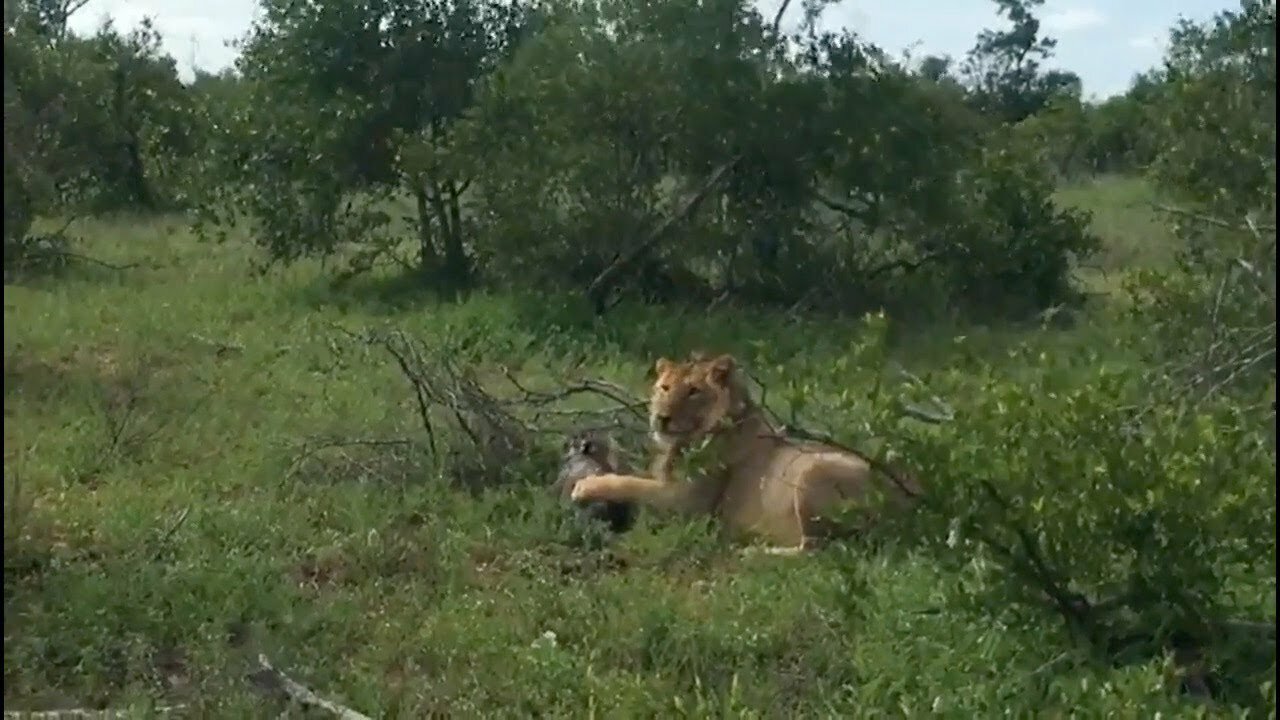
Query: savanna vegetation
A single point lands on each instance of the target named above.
(290, 350)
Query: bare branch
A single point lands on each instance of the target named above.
(777, 17)
(488, 431)
(172, 530)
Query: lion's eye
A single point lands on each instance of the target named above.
(693, 392)
(664, 388)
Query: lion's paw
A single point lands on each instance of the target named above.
(587, 489)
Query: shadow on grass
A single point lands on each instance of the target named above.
(488, 325)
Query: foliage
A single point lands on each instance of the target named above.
(1004, 68)
(92, 124)
(1101, 509)
(372, 581)
(577, 162)
(1214, 314)
(1143, 516)
(347, 104)
(1220, 121)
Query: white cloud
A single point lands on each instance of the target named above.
(1071, 19)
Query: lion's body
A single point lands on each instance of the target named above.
(760, 483)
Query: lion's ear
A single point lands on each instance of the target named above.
(722, 369)
(661, 366)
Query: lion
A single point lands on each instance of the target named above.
(761, 483)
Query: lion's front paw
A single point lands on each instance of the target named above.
(592, 487)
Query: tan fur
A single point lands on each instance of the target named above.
(761, 483)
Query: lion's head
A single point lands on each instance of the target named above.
(690, 399)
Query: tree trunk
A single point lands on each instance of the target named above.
(428, 259)
(455, 267)
(455, 253)
(135, 172)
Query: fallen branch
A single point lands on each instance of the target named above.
(866, 214)
(68, 255)
(477, 432)
(269, 678)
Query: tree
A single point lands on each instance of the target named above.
(670, 149)
(1004, 68)
(91, 123)
(349, 105)
(1216, 313)
(935, 67)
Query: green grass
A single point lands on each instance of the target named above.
(155, 537)
(1133, 233)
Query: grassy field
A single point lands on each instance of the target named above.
(157, 535)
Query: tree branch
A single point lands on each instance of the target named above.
(777, 17)
(864, 215)
(658, 234)
(1248, 225)
(907, 264)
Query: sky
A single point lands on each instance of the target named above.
(1105, 42)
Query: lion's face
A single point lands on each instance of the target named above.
(689, 399)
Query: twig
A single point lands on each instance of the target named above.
(302, 694)
(424, 404)
(1248, 225)
(592, 386)
(313, 447)
(172, 530)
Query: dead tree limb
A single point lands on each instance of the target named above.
(478, 429)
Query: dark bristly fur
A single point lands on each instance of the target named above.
(591, 453)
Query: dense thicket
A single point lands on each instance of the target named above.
(678, 150)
